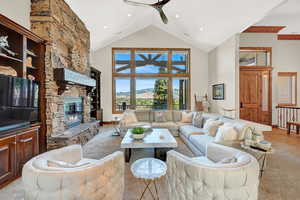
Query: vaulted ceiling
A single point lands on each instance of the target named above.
(202, 23)
(287, 14)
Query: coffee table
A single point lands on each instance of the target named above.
(159, 139)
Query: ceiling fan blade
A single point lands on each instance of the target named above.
(161, 3)
(162, 15)
(133, 3)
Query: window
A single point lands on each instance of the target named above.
(287, 88)
(255, 56)
(146, 79)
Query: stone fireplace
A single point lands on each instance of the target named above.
(68, 47)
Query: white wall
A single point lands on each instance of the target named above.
(223, 68)
(286, 58)
(17, 10)
(151, 37)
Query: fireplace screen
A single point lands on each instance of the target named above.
(73, 108)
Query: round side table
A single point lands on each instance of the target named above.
(260, 154)
(149, 169)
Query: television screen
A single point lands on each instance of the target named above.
(18, 101)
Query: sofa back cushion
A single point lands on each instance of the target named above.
(177, 115)
(143, 115)
(162, 116)
(187, 117)
(207, 116)
(212, 127)
(226, 133)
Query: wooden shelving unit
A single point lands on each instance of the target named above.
(96, 111)
(24, 143)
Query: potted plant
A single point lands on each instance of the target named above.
(138, 133)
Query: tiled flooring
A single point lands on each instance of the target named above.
(281, 180)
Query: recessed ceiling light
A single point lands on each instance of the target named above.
(201, 28)
(177, 16)
(186, 34)
(105, 27)
(129, 15)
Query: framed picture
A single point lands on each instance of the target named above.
(218, 92)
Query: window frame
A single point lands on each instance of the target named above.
(133, 75)
(289, 74)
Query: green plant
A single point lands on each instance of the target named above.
(138, 130)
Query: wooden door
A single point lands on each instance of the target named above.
(27, 148)
(256, 95)
(7, 159)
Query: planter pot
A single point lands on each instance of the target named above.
(138, 136)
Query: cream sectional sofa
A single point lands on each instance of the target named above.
(211, 177)
(196, 138)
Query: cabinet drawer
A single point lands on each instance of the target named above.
(7, 158)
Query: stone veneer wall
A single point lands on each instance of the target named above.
(68, 47)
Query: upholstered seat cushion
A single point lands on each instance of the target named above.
(189, 130)
(168, 125)
(138, 124)
(201, 141)
(203, 160)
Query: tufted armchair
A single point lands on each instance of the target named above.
(203, 178)
(81, 178)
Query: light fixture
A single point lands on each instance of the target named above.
(105, 27)
(177, 16)
(129, 14)
(201, 28)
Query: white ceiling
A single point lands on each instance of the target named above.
(108, 20)
(287, 14)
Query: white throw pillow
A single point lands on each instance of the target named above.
(212, 126)
(187, 117)
(226, 133)
(130, 117)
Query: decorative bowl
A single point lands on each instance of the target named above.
(138, 133)
(138, 136)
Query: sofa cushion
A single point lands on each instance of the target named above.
(187, 117)
(129, 117)
(168, 125)
(201, 141)
(61, 164)
(207, 116)
(138, 124)
(212, 126)
(160, 116)
(177, 115)
(143, 115)
(226, 133)
(188, 130)
(203, 160)
(197, 120)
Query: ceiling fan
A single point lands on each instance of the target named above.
(158, 6)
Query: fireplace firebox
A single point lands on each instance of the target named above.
(73, 110)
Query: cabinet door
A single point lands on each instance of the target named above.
(27, 148)
(7, 158)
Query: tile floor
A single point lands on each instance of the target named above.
(281, 180)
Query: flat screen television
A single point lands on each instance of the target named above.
(19, 99)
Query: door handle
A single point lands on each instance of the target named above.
(241, 105)
(25, 140)
(3, 149)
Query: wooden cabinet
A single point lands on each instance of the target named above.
(15, 150)
(7, 158)
(27, 148)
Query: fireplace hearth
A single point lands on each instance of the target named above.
(73, 111)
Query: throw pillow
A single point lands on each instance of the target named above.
(212, 126)
(197, 120)
(227, 160)
(129, 117)
(61, 164)
(226, 133)
(186, 117)
(160, 116)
